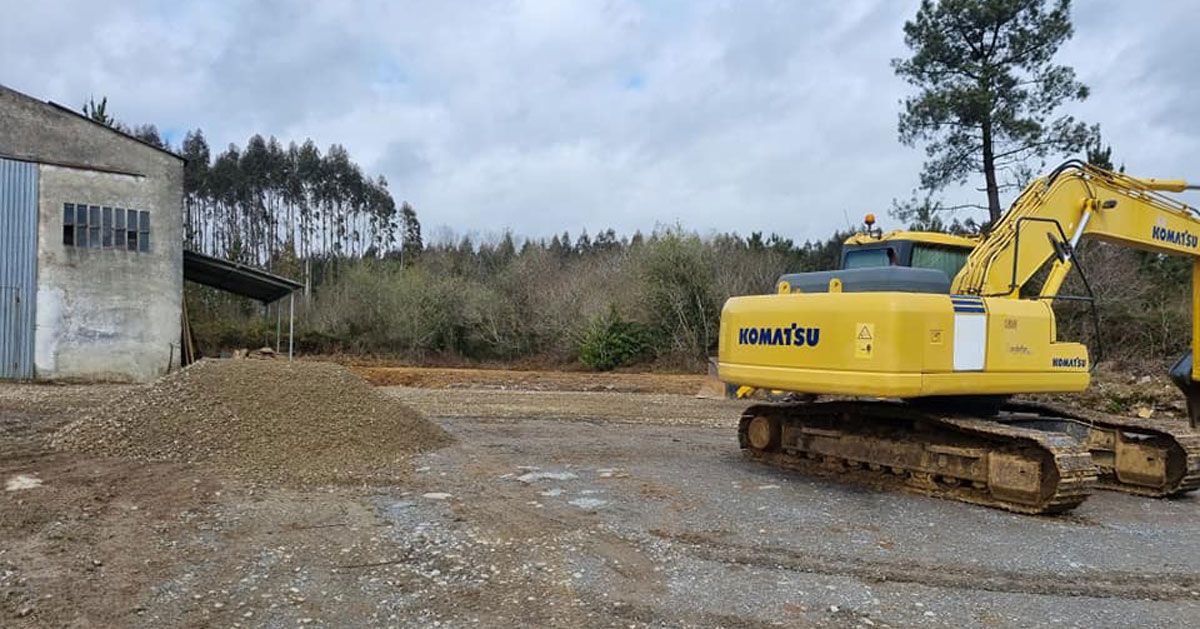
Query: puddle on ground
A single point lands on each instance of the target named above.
(22, 481)
(530, 477)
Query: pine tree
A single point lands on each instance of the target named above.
(98, 112)
(987, 89)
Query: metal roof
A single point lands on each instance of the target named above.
(235, 278)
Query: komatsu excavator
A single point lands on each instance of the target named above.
(913, 349)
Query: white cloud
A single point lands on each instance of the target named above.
(543, 116)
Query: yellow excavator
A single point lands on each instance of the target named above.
(909, 354)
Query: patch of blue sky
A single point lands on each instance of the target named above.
(391, 73)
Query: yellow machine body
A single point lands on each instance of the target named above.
(896, 345)
(932, 238)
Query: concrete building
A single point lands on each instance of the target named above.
(91, 248)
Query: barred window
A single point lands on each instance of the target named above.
(144, 231)
(69, 224)
(131, 233)
(107, 227)
(119, 229)
(96, 227)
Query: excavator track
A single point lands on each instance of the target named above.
(950, 456)
(1137, 456)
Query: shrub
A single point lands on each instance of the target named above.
(677, 295)
(610, 341)
(373, 307)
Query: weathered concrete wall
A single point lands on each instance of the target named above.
(101, 314)
(104, 313)
(36, 131)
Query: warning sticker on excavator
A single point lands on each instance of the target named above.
(864, 340)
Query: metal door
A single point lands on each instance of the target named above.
(18, 266)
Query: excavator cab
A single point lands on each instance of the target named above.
(901, 261)
(871, 248)
(922, 250)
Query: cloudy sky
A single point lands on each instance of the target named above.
(545, 115)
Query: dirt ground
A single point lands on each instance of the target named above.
(1120, 391)
(556, 508)
(532, 380)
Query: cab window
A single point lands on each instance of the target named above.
(949, 260)
(867, 258)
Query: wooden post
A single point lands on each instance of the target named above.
(291, 322)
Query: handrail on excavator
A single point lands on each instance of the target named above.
(1115, 207)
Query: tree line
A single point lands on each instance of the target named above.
(605, 300)
(267, 204)
(268, 201)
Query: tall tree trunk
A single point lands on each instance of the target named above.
(989, 173)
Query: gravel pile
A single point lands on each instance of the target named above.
(298, 422)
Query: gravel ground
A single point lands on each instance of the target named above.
(565, 510)
(301, 422)
(29, 413)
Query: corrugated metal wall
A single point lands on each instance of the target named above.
(18, 266)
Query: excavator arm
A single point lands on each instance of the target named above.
(1079, 201)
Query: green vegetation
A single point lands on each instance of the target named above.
(611, 341)
(649, 300)
(373, 286)
(605, 301)
(268, 203)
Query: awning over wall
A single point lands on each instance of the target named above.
(244, 281)
(239, 279)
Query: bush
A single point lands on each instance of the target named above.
(677, 280)
(374, 307)
(609, 341)
(1142, 311)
